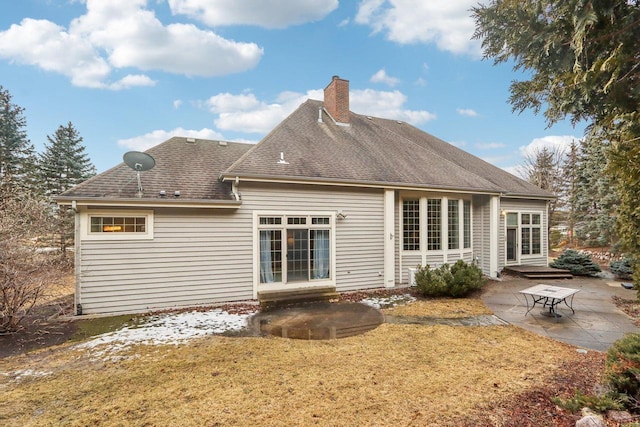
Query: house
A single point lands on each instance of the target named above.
(329, 198)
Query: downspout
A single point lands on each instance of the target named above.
(234, 188)
(77, 257)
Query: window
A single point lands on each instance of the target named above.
(122, 224)
(453, 225)
(531, 233)
(296, 252)
(110, 225)
(434, 220)
(411, 225)
(466, 223)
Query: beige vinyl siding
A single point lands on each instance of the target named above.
(359, 237)
(526, 206)
(481, 231)
(196, 257)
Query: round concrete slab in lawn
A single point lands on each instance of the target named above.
(318, 321)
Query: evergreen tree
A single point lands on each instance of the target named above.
(570, 174)
(64, 162)
(582, 58)
(596, 198)
(63, 165)
(544, 169)
(17, 158)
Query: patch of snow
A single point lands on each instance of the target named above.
(389, 301)
(165, 329)
(21, 374)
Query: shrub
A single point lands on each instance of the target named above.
(456, 281)
(622, 269)
(623, 370)
(578, 263)
(601, 403)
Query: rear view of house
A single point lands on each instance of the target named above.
(329, 198)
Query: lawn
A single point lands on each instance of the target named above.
(394, 375)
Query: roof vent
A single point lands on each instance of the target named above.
(282, 161)
(222, 143)
(191, 140)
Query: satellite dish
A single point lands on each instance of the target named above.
(139, 162)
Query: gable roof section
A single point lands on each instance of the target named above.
(192, 168)
(370, 151)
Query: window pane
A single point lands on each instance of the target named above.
(512, 219)
(526, 241)
(434, 216)
(535, 241)
(535, 219)
(296, 220)
(526, 218)
(270, 220)
(110, 224)
(270, 256)
(466, 214)
(320, 260)
(453, 225)
(411, 224)
(297, 255)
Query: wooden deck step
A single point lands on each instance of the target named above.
(270, 300)
(536, 272)
(549, 276)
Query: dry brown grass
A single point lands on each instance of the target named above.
(394, 375)
(445, 308)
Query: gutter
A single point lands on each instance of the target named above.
(148, 203)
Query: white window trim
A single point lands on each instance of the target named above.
(257, 286)
(85, 225)
(444, 250)
(542, 234)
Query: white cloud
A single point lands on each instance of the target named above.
(132, 80)
(246, 113)
(388, 105)
(148, 140)
(553, 142)
(490, 145)
(263, 13)
(467, 112)
(121, 34)
(446, 23)
(381, 76)
(177, 103)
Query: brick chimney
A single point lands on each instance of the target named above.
(336, 99)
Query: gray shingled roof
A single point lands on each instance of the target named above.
(371, 151)
(191, 168)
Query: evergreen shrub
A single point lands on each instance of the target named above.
(455, 281)
(623, 370)
(622, 269)
(577, 263)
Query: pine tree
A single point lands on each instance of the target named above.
(596, 197)
(581, 60)
(64, 162)
(63, 165)
(17, 158)
(570, 177)
(544, 169)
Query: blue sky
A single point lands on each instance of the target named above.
(130, 74)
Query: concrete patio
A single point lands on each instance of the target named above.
(596, 324)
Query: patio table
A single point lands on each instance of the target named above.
(549, 296)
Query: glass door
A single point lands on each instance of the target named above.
(297, 255)
(512, 238)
